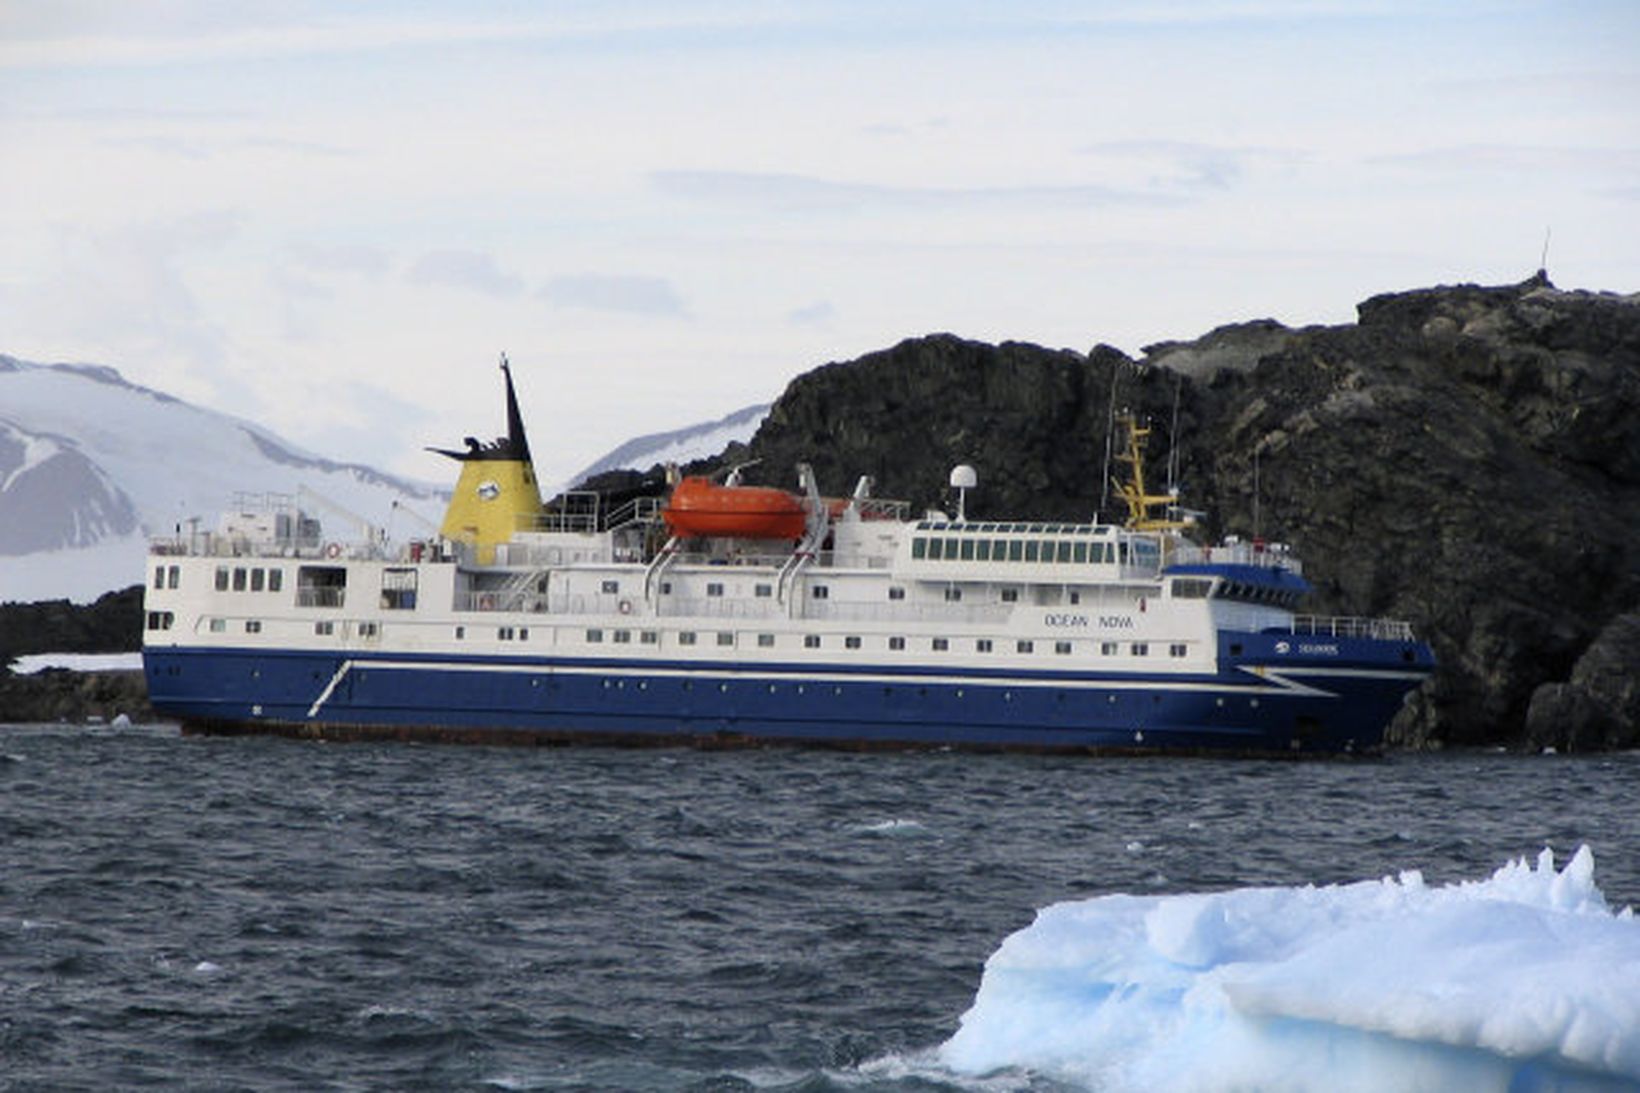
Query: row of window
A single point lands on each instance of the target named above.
(245, 579)
(1070, 551)
(726, 638)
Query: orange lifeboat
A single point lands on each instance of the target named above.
(700, 507)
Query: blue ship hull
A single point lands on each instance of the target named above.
(1267, 698)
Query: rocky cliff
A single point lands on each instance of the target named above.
(1467, 458)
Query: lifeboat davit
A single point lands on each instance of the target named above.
(700, 508)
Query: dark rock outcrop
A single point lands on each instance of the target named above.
(111, 625)
(1467, 458)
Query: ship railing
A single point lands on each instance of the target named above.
(211, 544)
(1257, 553)
(1349, 626)
(843, 611)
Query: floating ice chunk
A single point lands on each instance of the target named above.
(1526, 977)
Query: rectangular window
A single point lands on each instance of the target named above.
(502, 633)
(811, 641)
(399, 589)
(175, 573)
(726, 637)
(851, 642)
(218, 625)
(896, 643)
(159, 576)
(623, 637)
(715, 588)
(1010, 595)
(1191, 588)
(1063, 648)
(982, 550)
(276, 580)
(1032, 547)
(321, 586)
(919, 548)
(765, 641)
(952, 595)
(1079, 553)
(253, 626)
(369, 629)
(461, 632)
(1076, 598)
(967, 550)
(239, 578)
(763, 591)
(1016, 550)
(610, 588)
(325, 628)
(941, 644)
(666, 588)
(595, 635)
(1107, 648)
(648, 637)
(983, 645)
(258, 579)
(687, 637)
(1177, 649)
(1024, 645)
(896, 593)
(820, 592)
(523, 633)
(221, 578)
(1140, 649)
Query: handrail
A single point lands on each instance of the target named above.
(1352, 626)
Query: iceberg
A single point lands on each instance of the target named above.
(1524, 981)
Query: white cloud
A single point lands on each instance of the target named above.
(633, 294)
(467, 270)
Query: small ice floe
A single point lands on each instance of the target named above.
(1524, 980)
(120, 722)
(206, 967)
(1135, 847)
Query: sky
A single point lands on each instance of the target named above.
(333, 219)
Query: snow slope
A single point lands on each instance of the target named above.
(92, 465)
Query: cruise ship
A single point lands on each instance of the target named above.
(731, 614)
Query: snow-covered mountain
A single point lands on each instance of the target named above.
(91, 465)
(680, 445)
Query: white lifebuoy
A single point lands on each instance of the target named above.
(625, 607)
(333, 550)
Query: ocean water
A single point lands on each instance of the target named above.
(271, 914)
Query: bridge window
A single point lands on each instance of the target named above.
(1191, 588)
(1032, 550)
(276, 580)
(919, 548)
(221, 578)
(239, 578)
